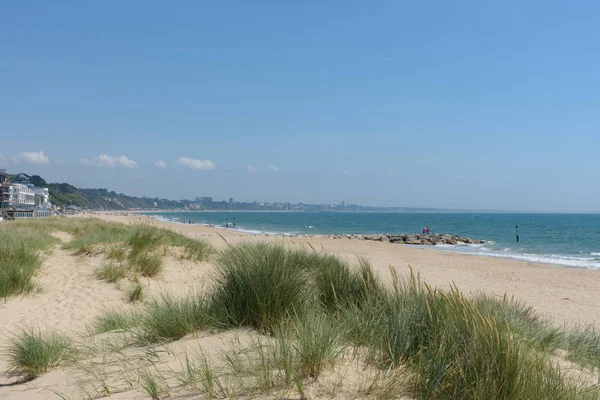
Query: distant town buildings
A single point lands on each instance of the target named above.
(22, 199)
(204, 200)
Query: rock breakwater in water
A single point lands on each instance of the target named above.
(415, 239)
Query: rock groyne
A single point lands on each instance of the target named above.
(414, 239)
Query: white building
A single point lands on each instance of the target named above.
(16, 195)
(42, 196)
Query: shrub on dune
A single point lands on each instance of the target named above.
(259, 285)
(32, 353)
(170, 318)
(135, 293)
(20, 258)
(115, 321)
(111, 272)
(340, 285)
(197, 250)
(148, 264)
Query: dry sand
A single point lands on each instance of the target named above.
(563, 294)
(71, 296)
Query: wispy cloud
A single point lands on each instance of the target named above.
(160, 164)
(106, 161)
(250, 168)
(274, 168)
(203, 165)
(32, 157)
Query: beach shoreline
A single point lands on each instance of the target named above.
(566, 295)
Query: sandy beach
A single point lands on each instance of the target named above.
(71, 296)
(563, 294)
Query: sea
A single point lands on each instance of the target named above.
(562, 239)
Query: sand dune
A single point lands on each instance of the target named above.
(71, 296)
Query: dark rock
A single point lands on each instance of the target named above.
(414, 239)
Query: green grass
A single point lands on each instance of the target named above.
(90, 233)
(32, 353)
(317, 307)
(117, 252)
(112, 272)
(145, 238)
(113, 320)
(20, 257)
(147, 264)
(135, 293)
(153, 386)
(582, 344)
(340, 285)
(318, 342)
(259, 285)
(197, 250)
(170, 318)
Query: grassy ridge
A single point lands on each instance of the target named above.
(134, 248)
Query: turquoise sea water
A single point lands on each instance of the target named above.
(563, 239)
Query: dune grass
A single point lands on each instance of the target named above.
(111, 272)
(582, 344)
(170, 318)
(153, 385)
(20, 257)
(317, 306)
(135, 293)
(259, 285)
(133, 249)
(32, 352)
(90, 233)
(317, 341)
(196, 250)
(113, 320)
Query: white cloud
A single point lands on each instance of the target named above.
(203, 165)
(107, 161)
(250, 168)
(32, 157)
(274, 168)
(160, 164)
(60, 162)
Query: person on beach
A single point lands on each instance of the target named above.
(427, 230)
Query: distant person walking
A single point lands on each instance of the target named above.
(427, 230)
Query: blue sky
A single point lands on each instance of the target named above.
(469, 104)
